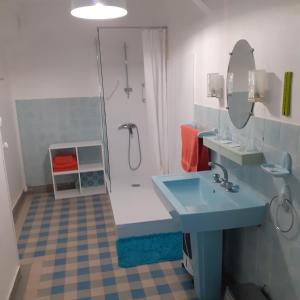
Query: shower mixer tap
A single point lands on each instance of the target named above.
(129, 126)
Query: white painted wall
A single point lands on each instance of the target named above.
(9, 261)
(204, 41)
(53, 54)
(57, 59)
(11, 179)
(13, 157)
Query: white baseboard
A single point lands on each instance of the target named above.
(15, 203)
(14, 283)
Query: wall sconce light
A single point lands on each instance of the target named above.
(215, 84)
(258, 85)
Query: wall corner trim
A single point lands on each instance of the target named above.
(15, 282)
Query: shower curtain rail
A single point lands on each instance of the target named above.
(132, 27)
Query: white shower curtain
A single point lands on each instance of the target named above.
(154, 48)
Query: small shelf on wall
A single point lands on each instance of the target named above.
(275, 170)
(61, 173)
(233, 152)
(279, 170)
(88, 179)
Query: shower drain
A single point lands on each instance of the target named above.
(136, 185)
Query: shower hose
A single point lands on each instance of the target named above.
(131, 166)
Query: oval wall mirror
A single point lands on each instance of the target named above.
(241, 62)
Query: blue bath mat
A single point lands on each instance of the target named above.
(149, 249)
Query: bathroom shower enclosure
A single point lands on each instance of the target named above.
(132, 85)
(121, 64)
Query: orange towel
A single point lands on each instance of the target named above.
(66, 168)
(195, 156)
(64, 159)
(65, 163)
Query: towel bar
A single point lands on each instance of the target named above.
(203, 132)
(211, 132)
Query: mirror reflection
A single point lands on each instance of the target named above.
(241, 62)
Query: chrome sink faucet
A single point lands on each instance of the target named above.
(223, 181)
(217, 178)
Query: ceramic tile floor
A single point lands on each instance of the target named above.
(67, 251)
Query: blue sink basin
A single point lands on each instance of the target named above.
(204, 209)
(197, 204)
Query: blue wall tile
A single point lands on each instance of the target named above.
(272, 133)
(289, 138)
(47, 121)
(263, 255)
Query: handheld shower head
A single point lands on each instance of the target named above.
(130, 127)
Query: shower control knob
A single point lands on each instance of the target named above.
(5, 145)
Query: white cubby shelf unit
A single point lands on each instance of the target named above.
(90, 161)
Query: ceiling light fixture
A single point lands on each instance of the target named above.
(98, 9)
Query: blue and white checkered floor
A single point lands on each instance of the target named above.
(67, 249)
